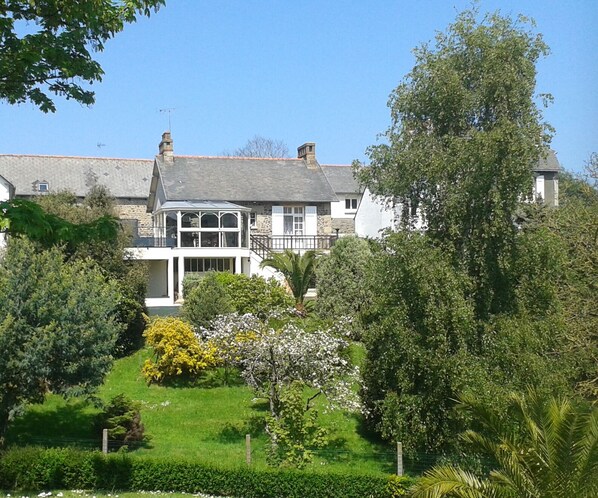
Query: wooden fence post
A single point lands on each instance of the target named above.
(399, 459)
(105, 441)
(248, 448)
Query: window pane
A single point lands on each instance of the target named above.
(230, 239)
(209, 220)
(190, 220)
(209, 239)
(229, 220)
(189, 239)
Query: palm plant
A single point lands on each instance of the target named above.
(297, 269)
(552, 453)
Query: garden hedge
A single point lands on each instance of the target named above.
(37, 469)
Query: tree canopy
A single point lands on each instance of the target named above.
(259, 146)
(57, 326)
(46, 46)
(465, 135)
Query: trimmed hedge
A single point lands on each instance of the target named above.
(47, 469)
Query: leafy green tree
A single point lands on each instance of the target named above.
(340, 279)
(419, 343)
(297, 269)
(553, 454)
(54, 55)
(576, 227)
(110, 254)
(22, 218)
(295, 434)
(57, 327)
(464, 138)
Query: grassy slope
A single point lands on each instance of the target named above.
(207, 424)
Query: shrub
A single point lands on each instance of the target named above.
(206, 301)
(41, 469)
(255, 294)
(295, 433)
(219, 293)
(178, 353)
(122, 418)
(341, 281)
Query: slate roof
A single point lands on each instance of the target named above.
(237, 179)
(341, 178)
(548, 163)
(125, 178)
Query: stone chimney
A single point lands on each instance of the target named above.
(307, 152)
(166, 150)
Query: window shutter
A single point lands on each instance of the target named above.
(277, 220)
(311, 220)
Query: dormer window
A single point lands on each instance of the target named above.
(43, 187)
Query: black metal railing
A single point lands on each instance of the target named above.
(263, 245)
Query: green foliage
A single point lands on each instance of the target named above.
(206, 301)
(39, 469)
(463, 142)
(111, 256)
(340, 278)
(122, 417)
(178, 353)
(576, 227)
(295, 432)
(55, 57)
(419, 341)
(297, 269)
(19, 217)
(254, 294)
(57, 328)
(551, 453)
(219, 293)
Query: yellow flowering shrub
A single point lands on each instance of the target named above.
(177, 351)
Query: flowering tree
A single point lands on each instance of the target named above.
(271, 359)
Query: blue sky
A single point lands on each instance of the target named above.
(299, 71)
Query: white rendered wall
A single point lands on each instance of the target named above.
(373, 216)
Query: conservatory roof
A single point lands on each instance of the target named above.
(202, 206)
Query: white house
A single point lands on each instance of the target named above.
(228, 213)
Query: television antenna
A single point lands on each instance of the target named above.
(99, 145)
(168, 110)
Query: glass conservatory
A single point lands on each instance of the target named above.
(203, 224)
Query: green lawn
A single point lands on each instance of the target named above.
(199, 423)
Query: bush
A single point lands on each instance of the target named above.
(206, 301)
(255, 294)
(178, 353)
(341, 278)
(219, 293)
(41, 469)
(122, 418)
(295, 434)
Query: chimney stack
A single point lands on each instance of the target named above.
(166, 149)
(307, 152)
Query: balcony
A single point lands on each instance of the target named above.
(263, 245)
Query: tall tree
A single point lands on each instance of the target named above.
(57, 327)
(53, 55)
(465, 135)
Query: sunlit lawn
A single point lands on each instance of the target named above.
(206, 424)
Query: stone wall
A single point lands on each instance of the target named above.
(135, 209)
(345, 226)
